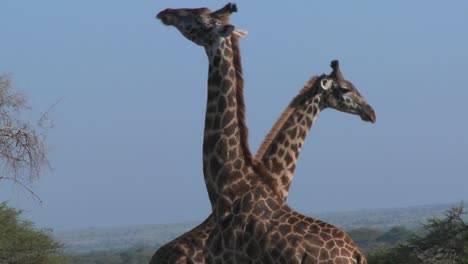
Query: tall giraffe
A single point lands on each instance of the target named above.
(245, 224)
(226, 153)
(278, 153)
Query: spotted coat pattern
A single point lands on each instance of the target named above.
(252, 223)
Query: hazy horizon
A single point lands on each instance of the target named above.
(314, 214)
(127, 142)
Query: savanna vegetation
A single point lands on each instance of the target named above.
(22, 243)
(134, 255)
(22, 159)
(441, 240)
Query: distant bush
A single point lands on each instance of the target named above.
(22, 243)
(134, 255)
(445, 241)
(366, 237)
(396, 235)
(372, 238)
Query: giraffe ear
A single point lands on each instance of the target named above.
(326, 84)
(226, 30)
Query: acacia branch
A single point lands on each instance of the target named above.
(22, 149)
(45, 116)
(22, 185)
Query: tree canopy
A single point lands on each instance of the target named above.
(22, 243)
(444, 241)
(22, 149)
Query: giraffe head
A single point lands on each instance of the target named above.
(340, 94)
(200, 25)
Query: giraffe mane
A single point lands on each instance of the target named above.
(282, 119)
(258, 167)
(244, 133)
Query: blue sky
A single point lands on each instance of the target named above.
(126, 146)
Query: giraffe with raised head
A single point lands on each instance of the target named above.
(251, 224)
(226, 153)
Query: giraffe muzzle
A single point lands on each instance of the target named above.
(164, 16)
(368, 114)
(161, 14)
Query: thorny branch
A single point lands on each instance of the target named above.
(22, 150)
(24, 186)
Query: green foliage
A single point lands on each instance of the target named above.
(21, 243)
(395, 235)
(445, 241)
(366, 237)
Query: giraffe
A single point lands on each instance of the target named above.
(280, 150)
(226, 153)
(279, 154)
(241, 222)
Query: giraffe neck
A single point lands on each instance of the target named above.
(226, 157)
(240, 99)
(280, 150)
